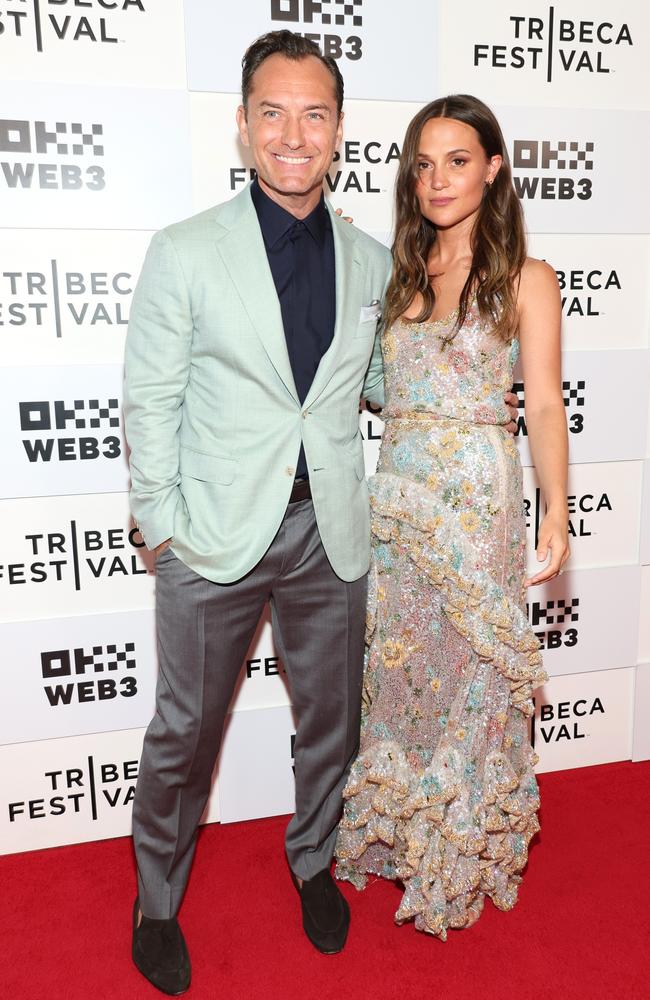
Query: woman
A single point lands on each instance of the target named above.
(443, 797)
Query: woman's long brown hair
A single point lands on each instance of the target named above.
(498, 237)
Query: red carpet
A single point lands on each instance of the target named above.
(581, 929)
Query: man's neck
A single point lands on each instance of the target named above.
(298, 205)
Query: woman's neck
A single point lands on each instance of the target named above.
(452, 245)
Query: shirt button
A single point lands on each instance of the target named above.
(290, 471)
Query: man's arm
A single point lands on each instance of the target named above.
(373, 386)
(157, 365)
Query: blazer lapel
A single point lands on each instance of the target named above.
(242, 249)
(348, 303)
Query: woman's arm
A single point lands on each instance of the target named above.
(540, 314)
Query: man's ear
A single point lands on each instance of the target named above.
(242, 125)
(339, 130)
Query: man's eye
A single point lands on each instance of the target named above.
(315, 115)
(270, 114)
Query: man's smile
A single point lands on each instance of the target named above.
(292, 159)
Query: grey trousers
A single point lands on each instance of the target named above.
(204, 630)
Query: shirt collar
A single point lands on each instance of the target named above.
(275, 221)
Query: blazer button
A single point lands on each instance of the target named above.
(290, 471)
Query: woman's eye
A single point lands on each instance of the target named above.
(458, 161)
(423, 165)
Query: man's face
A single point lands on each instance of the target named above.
(292, 128)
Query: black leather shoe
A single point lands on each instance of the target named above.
(160, 953)
(325, 913)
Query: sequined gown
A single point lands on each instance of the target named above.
(442, 796)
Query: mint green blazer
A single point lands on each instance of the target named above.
(212, 415)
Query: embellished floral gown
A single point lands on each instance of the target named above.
(442, 796)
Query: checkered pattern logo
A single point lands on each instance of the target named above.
(76, 141)
(337, 13)
(90, 414)
(573, 394)
(546, 155)
(554, 612)
(65, 662)
(576, 159)
(64, 138)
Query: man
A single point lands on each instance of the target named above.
(253, 335)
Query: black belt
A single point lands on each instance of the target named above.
(301, 491)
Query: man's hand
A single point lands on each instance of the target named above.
(511, 399)
(159, 549)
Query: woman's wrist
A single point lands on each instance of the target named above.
(558, 508)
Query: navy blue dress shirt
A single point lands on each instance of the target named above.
(301, 257)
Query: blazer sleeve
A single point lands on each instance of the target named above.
(157, 365)
(373, 386)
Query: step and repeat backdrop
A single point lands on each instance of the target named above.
(117, 117)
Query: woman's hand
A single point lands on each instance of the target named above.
(553, 538)
(346, 218)
(511, 399)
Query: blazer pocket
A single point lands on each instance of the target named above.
(207, 468)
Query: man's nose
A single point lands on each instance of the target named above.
(293, 135)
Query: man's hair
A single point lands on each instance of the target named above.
(291, 46)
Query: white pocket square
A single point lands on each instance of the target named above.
(373, 311)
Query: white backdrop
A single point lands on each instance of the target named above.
(117, 118)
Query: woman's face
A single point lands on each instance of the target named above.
(452, 171)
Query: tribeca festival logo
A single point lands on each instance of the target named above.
(336, 17)
(21, 141)
(45, 23)
(353, 167)
(565, 720)
(531, 157)
(578, 288)
(584, 510)
(555, 621)
(77, 556)
(61, 299)
(65, 674)
(40, 420)
(87, 790)
(573, 394)
(554, 46)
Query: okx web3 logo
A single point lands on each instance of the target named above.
(553, 169)
(84, 424)
(339, 21)
(79, 676)
(555, 622)
(51, 156)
